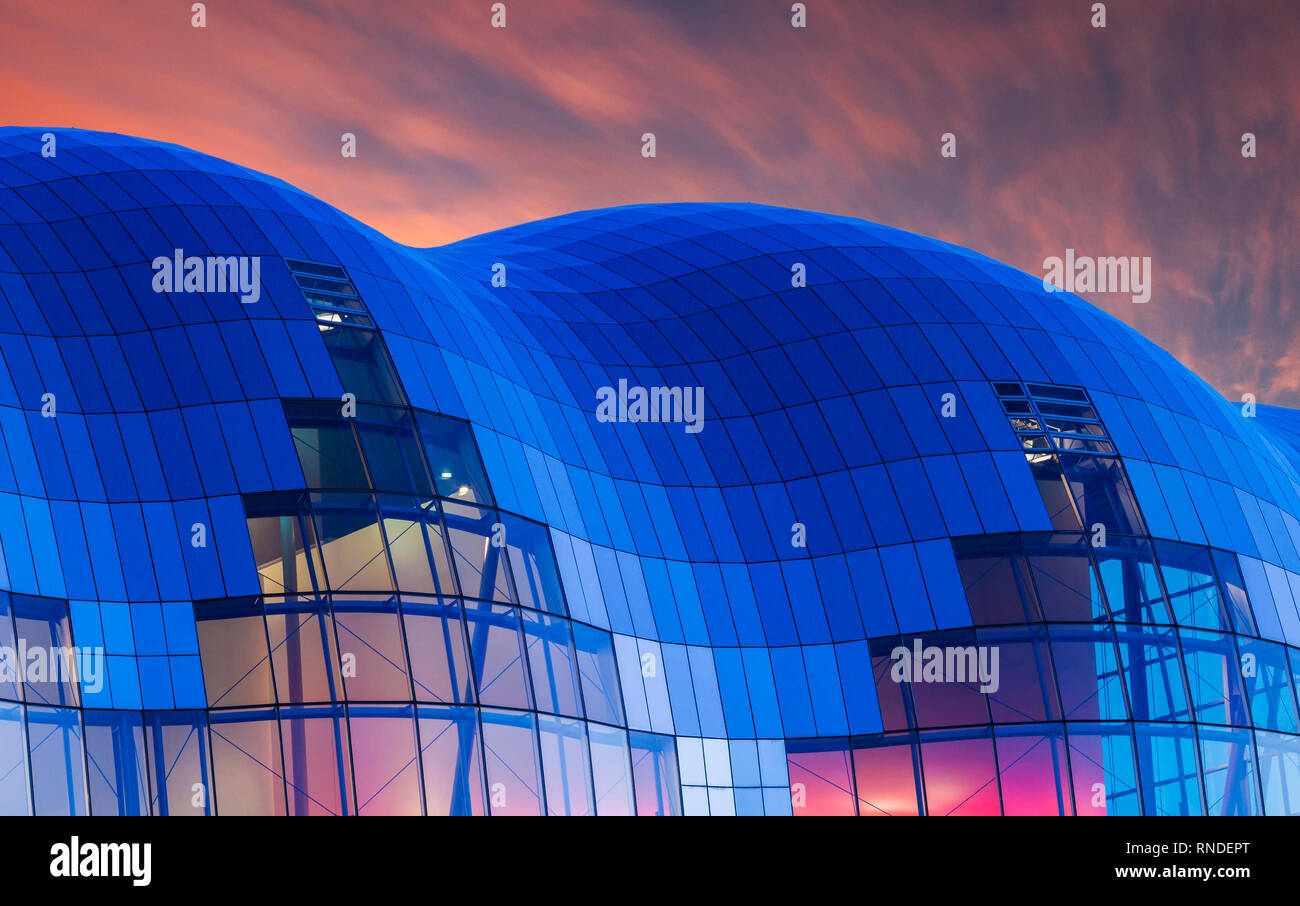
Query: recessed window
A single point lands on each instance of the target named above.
(364, 366)
(283, 536)
(326, 444)
(329, 292)
(44, 632)
(453, 458)
(233, 651)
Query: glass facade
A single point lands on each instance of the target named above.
(941, 544)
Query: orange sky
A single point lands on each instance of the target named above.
(1115, 141)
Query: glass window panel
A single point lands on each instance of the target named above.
(1102, 766)
(1152, 673)
(821, 777)
(15, 792)
(1234, 592)
(1068, 425)
(384, 764)
(1082, 444)
(532, 565)
(654, 774)
(1128, 573)
(326, 444)
(995, 575)
(332, 315)
(1279, 773)
(1102, 493)
(57, 760)
(372, 653)
(352, 545)
(1054, 491)
(513, 770)
(116, 763)
(566, 765)
(449, 757)
(435, 637)
(494, 645)
(1228, 760)
(476, 543)
(317, 761)
(50, 666)
(1025, 679)
(392, 450)
(888, 772)
(1087, 673)
(611, 770)
(961, 774)
(1191, 586)
(1067, 584)
(1214, 677)
(316, 276)
(453, 458)
(551, 663)
(304, 656)
(180, 779)
(894, 698)
(234, 654)
(284, 543)
(9, 667)
(1293, 656)
(416, 545)
(599, 674)
(1267, 681)
(1056, 391)
(1066, 411)
(1167, 766)
(246, 762)
(1034, 770)
(949, 665)
(363, 364)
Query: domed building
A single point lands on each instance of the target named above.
(663, 509)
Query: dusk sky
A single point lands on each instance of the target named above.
(1123, 140)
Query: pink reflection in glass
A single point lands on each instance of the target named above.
(960, 776)
(821, 783)
(383, 761)
(886, 777)
(1035, 779)
(313, 744)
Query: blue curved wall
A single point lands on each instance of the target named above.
(466, 593)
